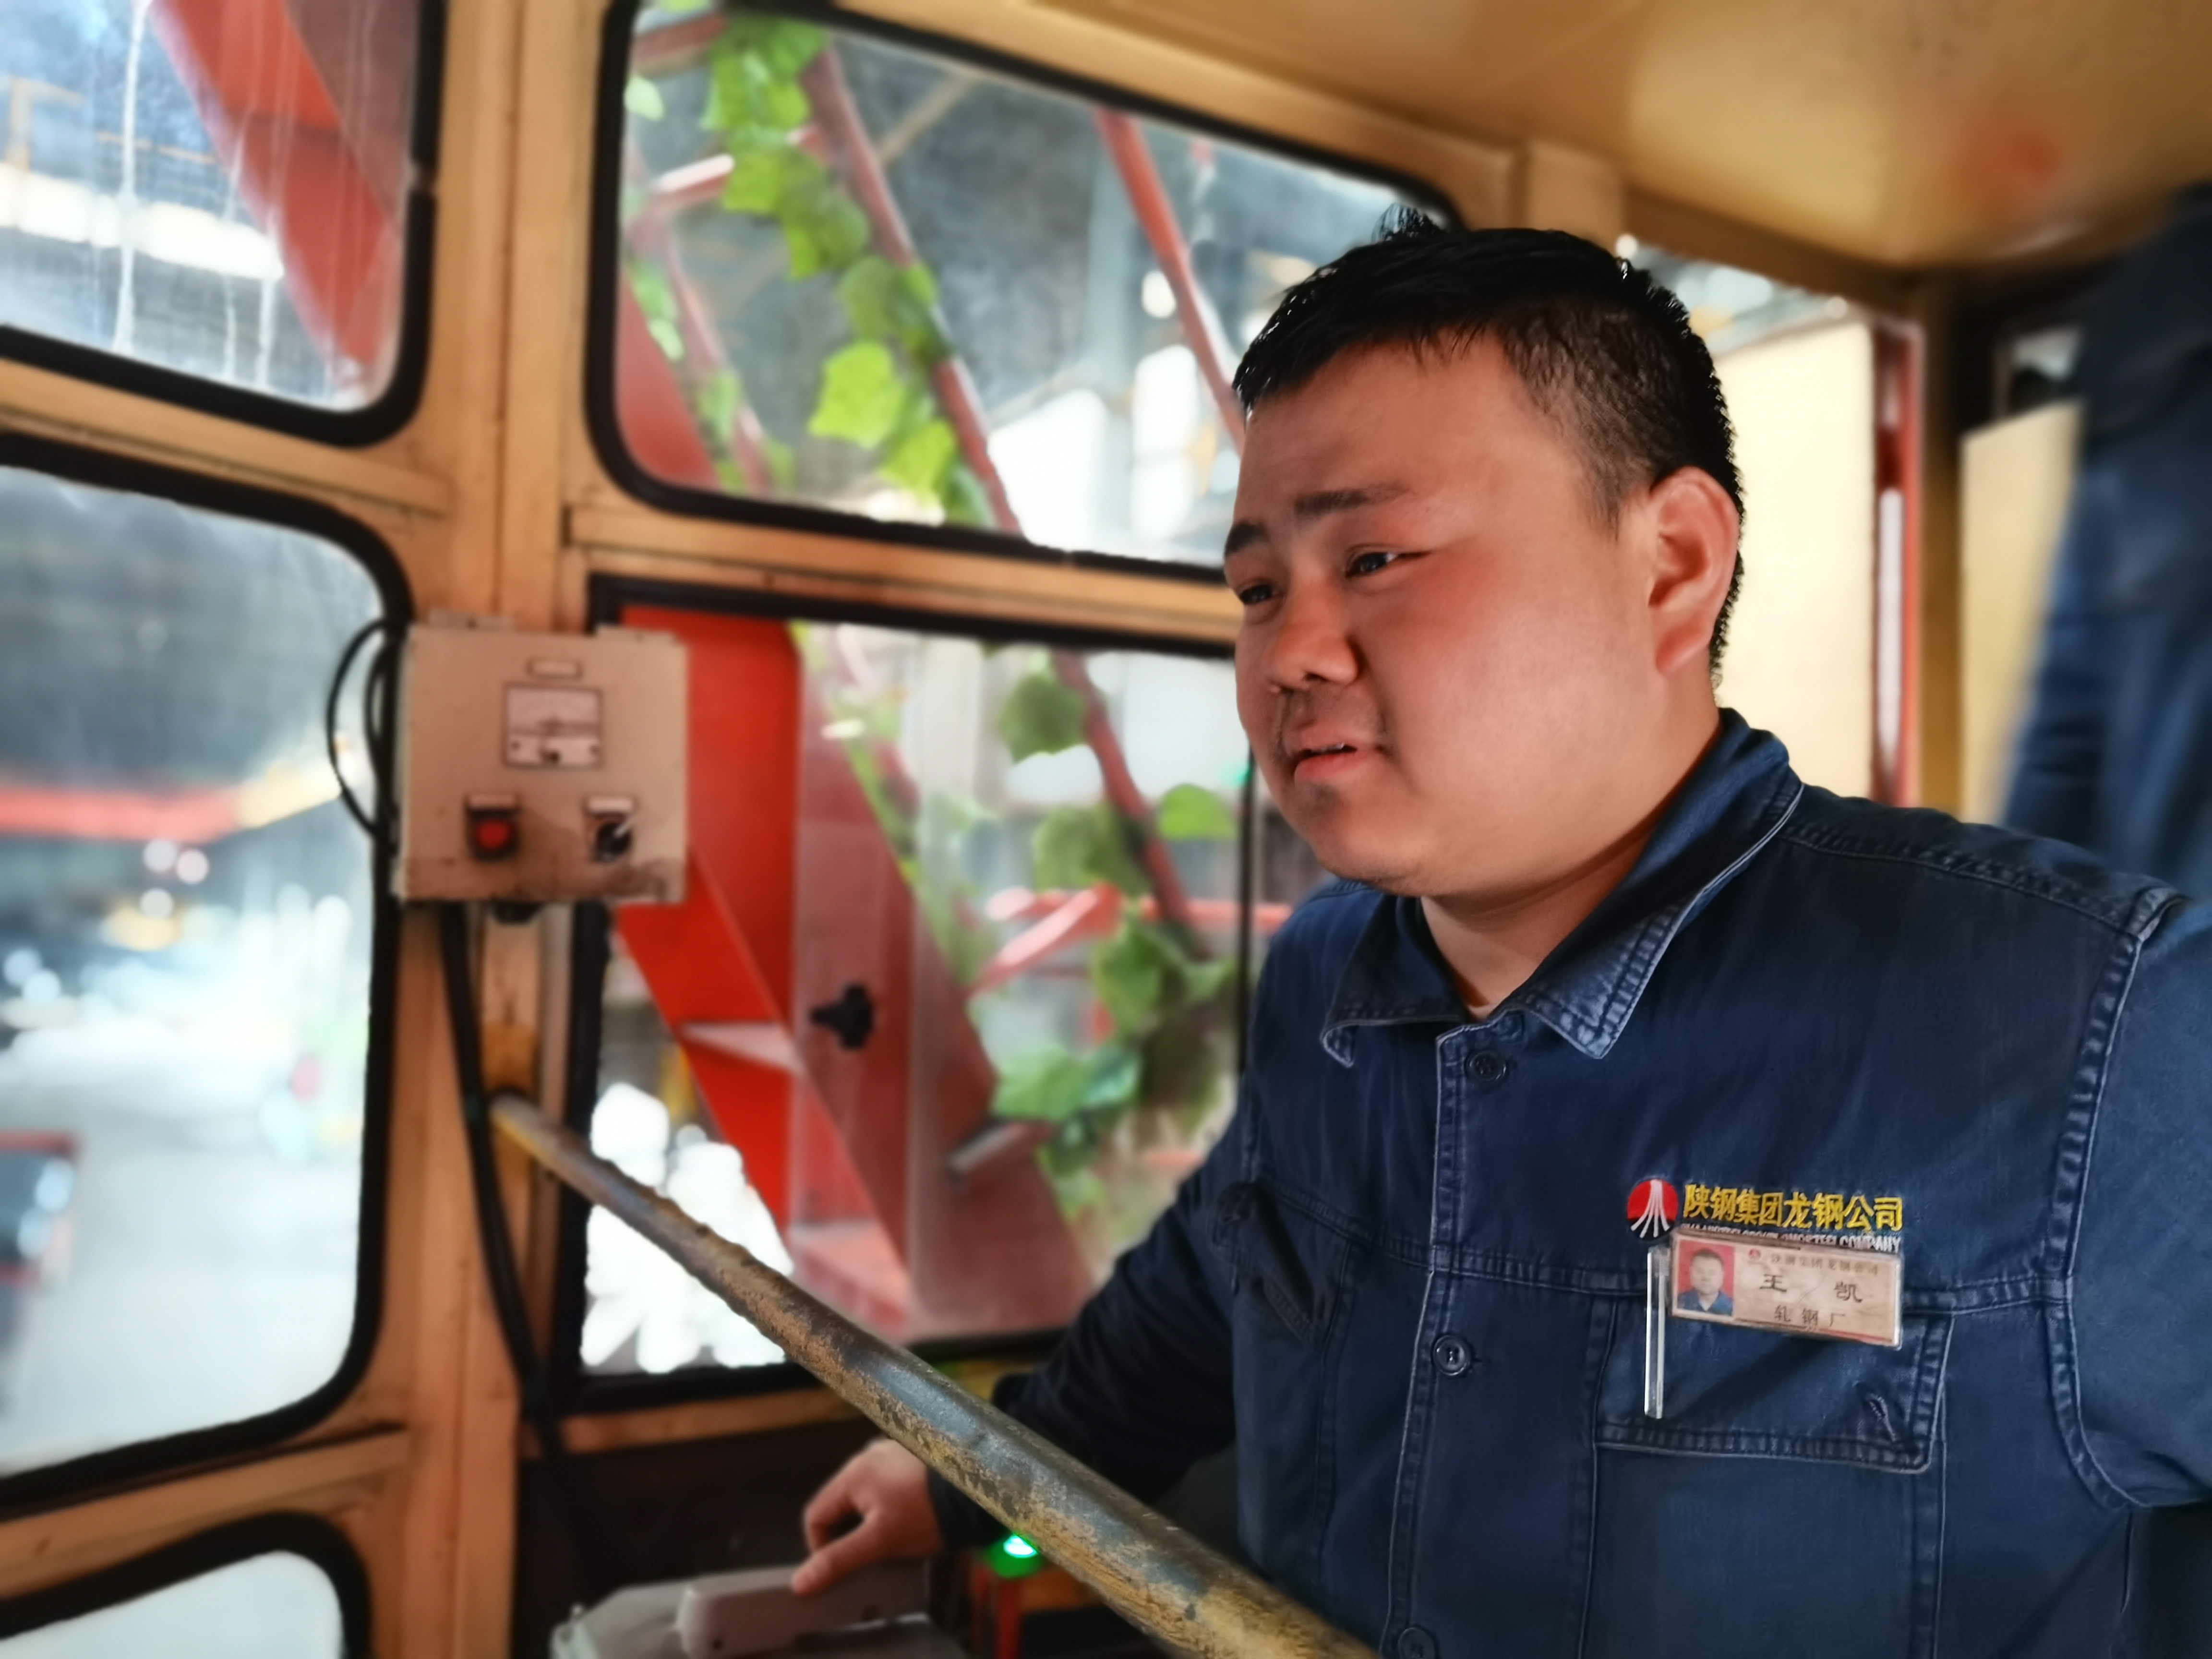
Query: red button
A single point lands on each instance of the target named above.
(491, 837)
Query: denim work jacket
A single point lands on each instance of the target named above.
(1405, 1285)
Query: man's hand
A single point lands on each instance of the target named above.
(887, 1486)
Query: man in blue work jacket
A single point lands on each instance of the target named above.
(1599, 966)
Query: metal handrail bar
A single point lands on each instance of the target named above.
(1145, 1567)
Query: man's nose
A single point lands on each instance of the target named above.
(1311, 643)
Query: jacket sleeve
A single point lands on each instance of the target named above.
(2061, 750)
(1139, 1389)
(2136, 1331)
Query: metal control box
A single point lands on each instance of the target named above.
(541, 768)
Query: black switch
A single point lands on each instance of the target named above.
(851, 1017)
(610, 828)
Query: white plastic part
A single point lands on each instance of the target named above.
(734, 1615)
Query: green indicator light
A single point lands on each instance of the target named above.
(1014, 1557)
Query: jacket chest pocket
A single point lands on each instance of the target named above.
(1292, 1279)
(1799, 1479)
(1734, 1392)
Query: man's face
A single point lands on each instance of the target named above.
(1705, 1276)
(1446, 663)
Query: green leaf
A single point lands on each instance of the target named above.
(1059, 852)
(731, 79)
(1051, 1085)
(749, 94)
(1202, 980)
(1188, 812)
(921, 285)
(1078, 846)
(831, 221)
(667, 336)
(783, 46)
(784, 106)
(919, 460)
(654, 297)
(763, 175)
(1045, 1085)
(682, 8)
(720, 399)
(1041, 716)
(806, 252)
(825, 228)
(1116, 1070)
(782, 465)
(642, 99)
(863, 395)
(919, 329)
(869, 292)
(1130, 973)
(965, 500)
(884, 301)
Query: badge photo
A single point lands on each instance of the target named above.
(1704, 1280)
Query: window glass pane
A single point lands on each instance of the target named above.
(273, 1607)
(994, 1020)
(876, 280)
(1798, 371)
(217, 186)
(184, 934)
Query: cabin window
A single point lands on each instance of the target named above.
(954, 1002)
(851, 274)
(277, 1587)
(217, 190)
(189, 925)
(1816, 648)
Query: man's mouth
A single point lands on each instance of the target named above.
(1315, 761)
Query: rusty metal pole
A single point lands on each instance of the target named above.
(1155, 210)
(1145, 1567)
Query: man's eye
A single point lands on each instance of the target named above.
(1366, 564)
(1253, 593)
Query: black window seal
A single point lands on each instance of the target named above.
(342, 428)
(311, 1537)
(52, 1483)
(603, 419)
(572, 1390)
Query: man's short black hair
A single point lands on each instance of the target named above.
(1600, 347)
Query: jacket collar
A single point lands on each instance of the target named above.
(1734, 801)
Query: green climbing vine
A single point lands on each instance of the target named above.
(1165, 1008)
(1164, 1002)
(874, 391)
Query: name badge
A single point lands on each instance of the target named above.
(1777, 1285)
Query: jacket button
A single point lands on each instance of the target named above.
(1414, 1642)
(1452, 1355)
(1487, 1066)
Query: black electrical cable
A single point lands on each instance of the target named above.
(374, 705)
(498, 1247)
(378, 826)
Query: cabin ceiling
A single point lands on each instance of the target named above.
(1911, 132)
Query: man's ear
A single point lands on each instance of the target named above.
(1693, 528)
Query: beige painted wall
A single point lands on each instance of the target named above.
(2016, 478)
(1800, 659)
